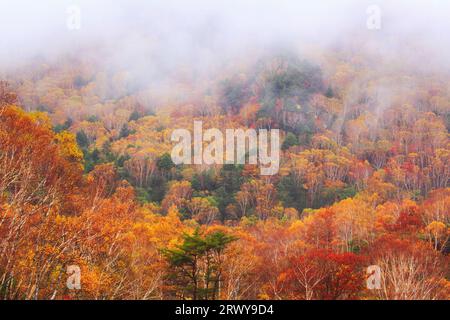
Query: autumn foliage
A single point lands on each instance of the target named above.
(86, 179)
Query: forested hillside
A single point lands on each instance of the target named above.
(87, 178)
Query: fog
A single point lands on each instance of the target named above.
(152, 39)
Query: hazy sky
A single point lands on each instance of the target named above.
(205, 32)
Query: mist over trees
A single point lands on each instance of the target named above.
(86, 176)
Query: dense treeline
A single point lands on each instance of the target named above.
(86, 179)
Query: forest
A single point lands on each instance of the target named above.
(87, 179)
